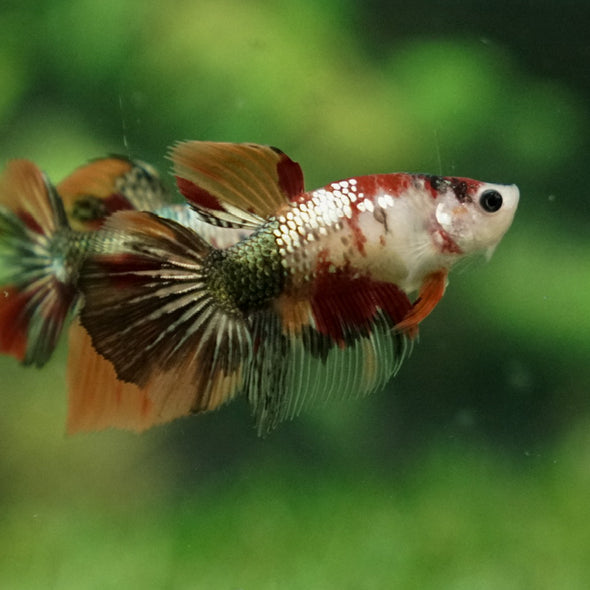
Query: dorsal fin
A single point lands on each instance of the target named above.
(96, 190)
(235, 184)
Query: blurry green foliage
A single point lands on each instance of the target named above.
(471, 469)
(452, 521)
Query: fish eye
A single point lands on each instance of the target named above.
(490, 201)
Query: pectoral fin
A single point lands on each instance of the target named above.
(431, 292)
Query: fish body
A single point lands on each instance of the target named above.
(311, 296)
(385, 227)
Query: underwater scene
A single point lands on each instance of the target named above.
(364, 224)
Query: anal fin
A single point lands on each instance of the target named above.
(339, 342)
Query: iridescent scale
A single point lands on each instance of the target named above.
(318, 228)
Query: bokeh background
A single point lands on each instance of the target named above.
(472, 469)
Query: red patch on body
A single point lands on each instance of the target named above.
(342, 303)
(197, 195)
(446, 243)
(391, 184)
(357, 233)
(371, 187)
(430, 188)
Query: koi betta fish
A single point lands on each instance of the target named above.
(256, 287)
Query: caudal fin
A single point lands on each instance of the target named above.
(36, 291)
(149, 310)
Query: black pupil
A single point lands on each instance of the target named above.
(490, 201)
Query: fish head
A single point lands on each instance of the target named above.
(474, 215)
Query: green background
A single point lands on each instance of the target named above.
(472, 469)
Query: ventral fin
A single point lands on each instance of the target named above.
(96, 190)
(235, 184)
(431, 292)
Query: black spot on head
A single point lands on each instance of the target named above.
(438, 183)
(460, 189)
(442, 184)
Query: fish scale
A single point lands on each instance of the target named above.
(248, 275)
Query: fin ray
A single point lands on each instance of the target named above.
(300, 379)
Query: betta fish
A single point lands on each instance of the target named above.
(257, 287)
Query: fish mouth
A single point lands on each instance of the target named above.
(514, 196)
